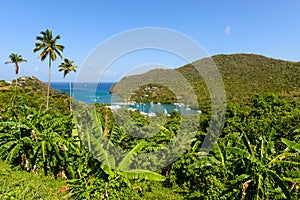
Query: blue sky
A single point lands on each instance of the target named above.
(267, 27)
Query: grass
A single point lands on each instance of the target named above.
(153, 190)
(17, 184)
(21, 185)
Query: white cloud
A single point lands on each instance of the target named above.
(36, 69)
(228, 30)
(113, 73)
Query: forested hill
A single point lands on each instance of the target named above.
(243, 76)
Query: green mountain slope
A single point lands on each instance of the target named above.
(243, 75)
(33, 92)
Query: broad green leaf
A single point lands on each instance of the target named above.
(280, 157)
(26, 140)
(205, 161)
(13, 153)
(107, 169)
(219, 153)
(293, 180)
(129, 157)
(43, 144)
(288, 164)
(242, 177)
(143, 174)
(295, 174)
(6, 146)
(291, 144)
(280, 183)
(240, 152)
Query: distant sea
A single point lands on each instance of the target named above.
(87, 92)
(90, 93)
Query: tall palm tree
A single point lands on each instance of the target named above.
(15, 59)
(68, 66)
(46, 43)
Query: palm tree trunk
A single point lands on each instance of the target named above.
(17, 71)
(16, 82)
(49, 78)
(70, 88)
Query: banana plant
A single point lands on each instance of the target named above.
(54, 142)
(36, 137)
(114, 165)
(103, 148)
(14, 143)
(267, 174)
(15, 139)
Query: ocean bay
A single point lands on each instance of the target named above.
(90, 93)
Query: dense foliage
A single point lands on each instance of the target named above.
(256, 157)
(251, 160)
(94, 153)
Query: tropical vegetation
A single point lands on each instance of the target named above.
(94, 153)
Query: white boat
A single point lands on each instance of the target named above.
(152, 114)
(114, 107)
(132, 109)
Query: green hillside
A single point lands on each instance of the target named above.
(33, 92)
(243, 75)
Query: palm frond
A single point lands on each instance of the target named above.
(58, 52)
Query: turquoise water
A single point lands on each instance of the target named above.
(90, 93)
(87, 92)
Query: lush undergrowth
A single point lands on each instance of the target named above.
(105, 155)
